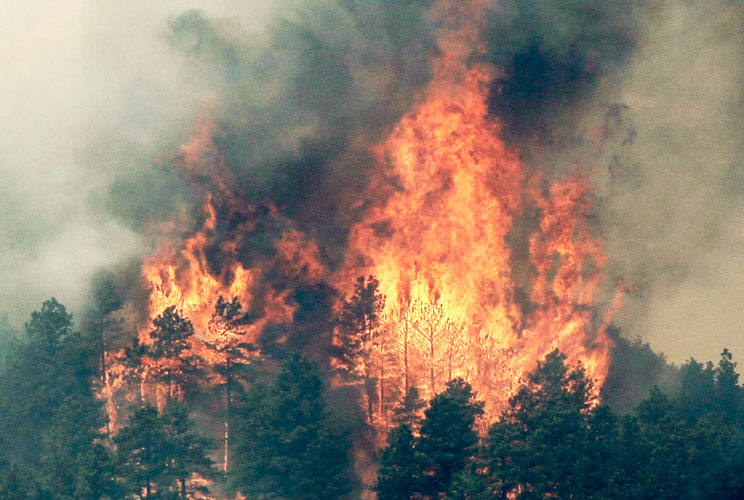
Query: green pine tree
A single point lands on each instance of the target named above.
(178, 368)
(188, 451)
(400, 472)
(142, 450)
(448, 437)
(283, 446)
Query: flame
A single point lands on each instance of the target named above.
(447, 201)
(437, 241)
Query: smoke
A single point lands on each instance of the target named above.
(298, 112)
(646, 96)
(679, 221)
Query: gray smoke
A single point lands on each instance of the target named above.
(647, 97)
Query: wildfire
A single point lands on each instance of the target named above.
(450, 200)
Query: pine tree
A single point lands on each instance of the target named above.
(142, 450)
(18, 483)
(178, 367)
(447, 436)
(51, 364)
(407, 412)
(188, 451)
(68, 444)
(159, 454)
(358, 327)
(134, 366)
(232, 356)
(728, 393)
(399, 475)
(551, 443)
(100, 326)
(283, 445)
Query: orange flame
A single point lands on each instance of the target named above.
(449, 196)
(437, 241)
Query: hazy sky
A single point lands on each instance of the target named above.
(91, 88)
(75, 75)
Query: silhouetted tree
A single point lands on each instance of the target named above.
(100, 326)
(358, 327)
(543, 443)
(447, 436)
(400, 471)
(188, 451)
(134, 366)
(143, 453)
(177, 367)
(407, 412)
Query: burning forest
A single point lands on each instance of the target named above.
(375, 259)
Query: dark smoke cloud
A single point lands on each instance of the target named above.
(552, 55)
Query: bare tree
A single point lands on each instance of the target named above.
(430, 327)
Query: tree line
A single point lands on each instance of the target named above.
(554, 440)
(54, 441)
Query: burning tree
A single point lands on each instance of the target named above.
(102, 325)
(231, 356)
(133, 366)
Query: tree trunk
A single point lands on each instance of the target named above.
(104, 378)
(228, 407)
(369, 390)
(405, 355)
(382, 386)
(431, 361)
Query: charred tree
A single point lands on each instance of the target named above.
(133, 362)
(358, 327)
(431, 329)
(102, 324)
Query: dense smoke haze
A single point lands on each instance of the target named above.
(645, 96)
